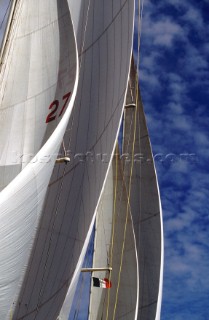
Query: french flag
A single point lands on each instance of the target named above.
(102, 283)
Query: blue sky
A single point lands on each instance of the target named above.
(3, 11)
(174, 79)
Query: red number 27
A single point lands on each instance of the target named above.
(54, 106)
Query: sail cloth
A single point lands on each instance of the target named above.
(130, 214)
(144, 202)
(40, 66)
(104, 33)
(115, 246)
(37, 77)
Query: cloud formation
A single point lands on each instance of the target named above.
(174, 82)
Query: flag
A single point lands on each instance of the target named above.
(102, 283)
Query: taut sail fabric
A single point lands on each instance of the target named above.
(145, 204)
(40, 67)
(35, 81)
(115, 247)
(104, 32)
(129, 236)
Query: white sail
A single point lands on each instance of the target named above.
(129, 226)
(104, 34)
(39, 67)
(115, 247)
(145, 204)
(35, 82)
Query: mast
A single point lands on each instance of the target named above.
(7, 31)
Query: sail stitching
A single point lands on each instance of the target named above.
(105, 30)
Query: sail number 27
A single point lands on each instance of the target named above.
(55, 105)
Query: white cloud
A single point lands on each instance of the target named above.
(150, 79)
(201, 139)
(162, 32)
(181, 166)
(175, 108)
(178, 124)
(178, 4)
(194, 17)
(149, 61)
